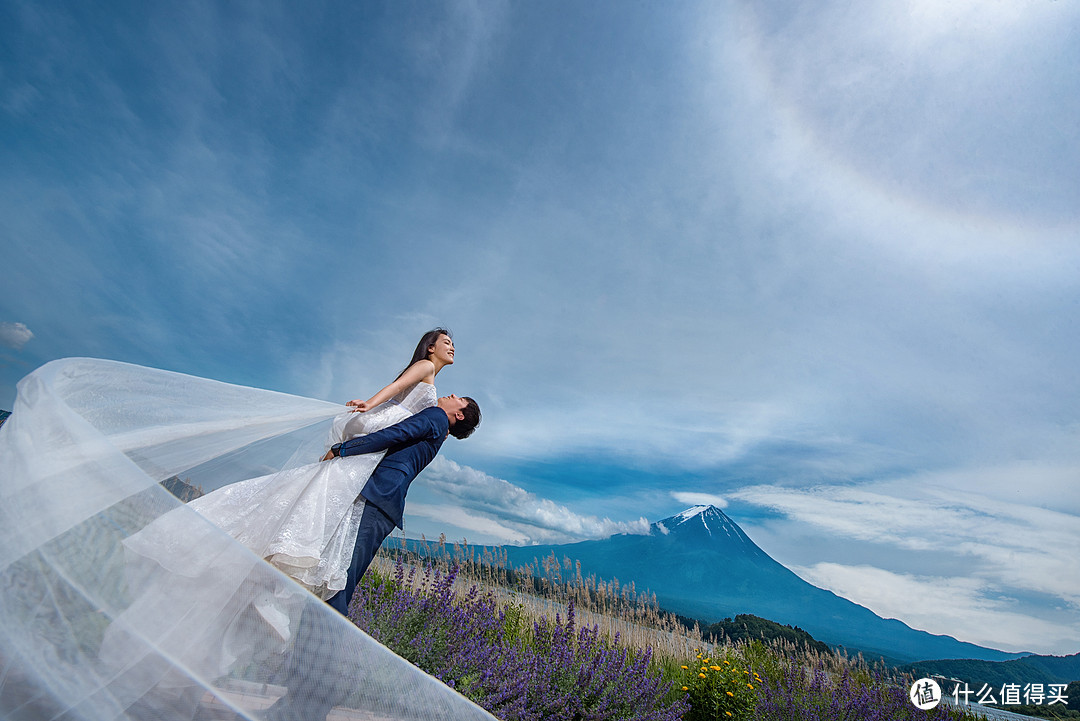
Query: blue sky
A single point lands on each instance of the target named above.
(818, 265)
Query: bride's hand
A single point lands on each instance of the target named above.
(359, 406)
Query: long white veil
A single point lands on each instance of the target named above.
(86, 633)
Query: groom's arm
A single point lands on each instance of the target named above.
(414, 428)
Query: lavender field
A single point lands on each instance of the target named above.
(516, 644)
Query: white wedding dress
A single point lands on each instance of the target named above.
(117, 601)
(303, 520)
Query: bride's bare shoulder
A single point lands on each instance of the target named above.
(422, 371)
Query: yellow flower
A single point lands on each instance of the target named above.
(730, 694)
(684, 667)
(728, 713)
(727, 662)
(716, 668)
(701, 675)
(749, 685)
(684, 688)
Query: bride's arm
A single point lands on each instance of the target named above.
(418, 371)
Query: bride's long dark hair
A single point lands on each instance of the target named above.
(426, 342)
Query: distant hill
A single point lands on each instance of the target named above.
(747, 627)
(4, 416)
(1030, 669)
(700, 564)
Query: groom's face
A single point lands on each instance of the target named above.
(453, 405)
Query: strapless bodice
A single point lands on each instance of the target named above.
(417, 398)
(406, 403)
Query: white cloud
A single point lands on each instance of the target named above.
(965, 608)
(1009, 545)
(14, 335)
(534, 520)
(717, 432)
(693, 498)
(462, 519)
(1016, 484)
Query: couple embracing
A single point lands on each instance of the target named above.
(323, 524)
(320, 524)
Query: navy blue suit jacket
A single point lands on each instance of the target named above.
(410, 445)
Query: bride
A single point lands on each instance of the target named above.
(304, 521)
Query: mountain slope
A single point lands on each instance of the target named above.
(699, 563)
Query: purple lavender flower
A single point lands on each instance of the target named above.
(799, 693)
(557, 671)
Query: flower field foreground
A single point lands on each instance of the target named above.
(519, 665)
(816, 687)
(496, 657)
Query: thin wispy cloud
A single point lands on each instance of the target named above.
(535, 519)
(1010, 564)
(691, 498)
(457, 517)
(1007, 544)
(967, 608)
(891, 91)
(456, 52)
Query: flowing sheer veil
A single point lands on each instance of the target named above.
(85, 633)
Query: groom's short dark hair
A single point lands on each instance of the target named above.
(463, 429)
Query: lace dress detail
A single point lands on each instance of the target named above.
(303, 520)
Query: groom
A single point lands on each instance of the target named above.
(410, 445)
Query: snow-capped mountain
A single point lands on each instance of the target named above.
(699, 563)
(707, 523)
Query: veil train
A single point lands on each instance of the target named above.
(89, 630)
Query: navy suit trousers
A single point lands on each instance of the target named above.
(375, 526)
